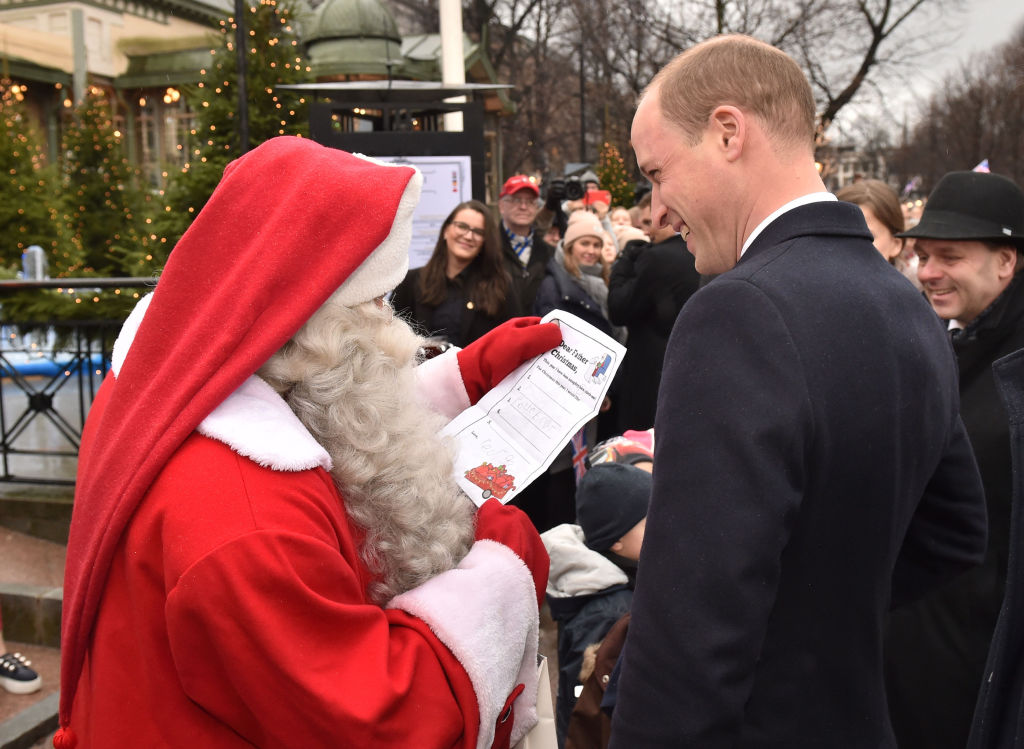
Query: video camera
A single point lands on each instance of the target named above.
(574, 189)
(566, 189)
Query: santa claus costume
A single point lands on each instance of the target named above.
(218, 592)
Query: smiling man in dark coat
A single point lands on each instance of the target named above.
(811, 466)
(968, 243)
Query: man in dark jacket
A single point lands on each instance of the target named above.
(811, 465)
(526, 254)
(968, 244)
(997, 718)
(648, 286)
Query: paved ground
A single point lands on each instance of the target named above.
(30, 560)
(44, 660)
(44, 743)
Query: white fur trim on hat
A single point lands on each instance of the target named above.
(127, 334)
(386, 266)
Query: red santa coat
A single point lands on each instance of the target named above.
(213, 593)
(235, 612)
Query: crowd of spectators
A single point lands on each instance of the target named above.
(821, 547)
(629, 277)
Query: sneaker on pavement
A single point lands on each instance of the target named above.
(16, 676)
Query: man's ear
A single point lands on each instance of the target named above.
(1008, 261)
(728, 126)
(616, 547)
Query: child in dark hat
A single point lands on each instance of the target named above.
(592, 568)
(611, 508)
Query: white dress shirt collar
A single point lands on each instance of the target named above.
(814, 197)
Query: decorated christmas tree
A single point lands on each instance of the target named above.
(611, 170)
(103, 203)
(28, 215)
(272, 58)
(96, 224)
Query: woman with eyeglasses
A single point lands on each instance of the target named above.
(464, 290)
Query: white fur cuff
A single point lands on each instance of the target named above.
(439, 385)
(485, 612)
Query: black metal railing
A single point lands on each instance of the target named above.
(49, 374)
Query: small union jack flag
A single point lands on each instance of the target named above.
(579, 452)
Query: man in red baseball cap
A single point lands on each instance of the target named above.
(519, 182)
(526, 257)
(525, 251)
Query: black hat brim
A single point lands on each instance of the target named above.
(957, 226)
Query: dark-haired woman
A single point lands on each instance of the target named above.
(464, 290)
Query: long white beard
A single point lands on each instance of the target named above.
(348, 375)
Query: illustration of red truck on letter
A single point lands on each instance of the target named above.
(493, 480)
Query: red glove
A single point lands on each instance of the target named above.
(509, 526)
(491, 358)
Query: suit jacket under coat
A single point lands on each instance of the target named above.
(811, 464)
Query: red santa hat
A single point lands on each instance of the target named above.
(290, 223)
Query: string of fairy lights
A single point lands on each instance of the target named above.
(611, 171)
(277, 61)
(102, 190)
(23, 164)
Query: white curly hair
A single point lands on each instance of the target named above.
(348, 374)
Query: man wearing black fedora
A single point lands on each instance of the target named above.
(969, 244)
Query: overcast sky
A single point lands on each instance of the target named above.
(987, 24)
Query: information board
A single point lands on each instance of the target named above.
(446, 183)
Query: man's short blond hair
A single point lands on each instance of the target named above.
(743, 72)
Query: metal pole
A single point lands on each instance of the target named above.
(241, 8)
(453, 59)
(583, 118)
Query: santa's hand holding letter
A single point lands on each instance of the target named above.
(268, 547)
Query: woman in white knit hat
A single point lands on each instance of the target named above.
(576, 282)
(577, 276)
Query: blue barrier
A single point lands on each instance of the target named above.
(50, 368)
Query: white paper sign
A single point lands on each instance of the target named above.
(447, 181)
(518, 428)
